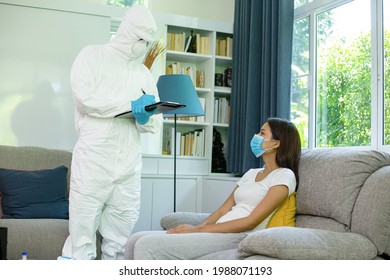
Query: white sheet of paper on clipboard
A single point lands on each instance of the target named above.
(162, 107)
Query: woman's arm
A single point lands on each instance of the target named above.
(222, 210)
(275, 196)
(213, 218)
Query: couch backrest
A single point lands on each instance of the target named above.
(346, 190)
(330, 182)
(34, 158)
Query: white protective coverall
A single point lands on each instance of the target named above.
(106, 165)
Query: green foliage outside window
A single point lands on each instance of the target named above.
(300, 70)
(124, 3)
(344, 94)
(343, 86)
(387, 87)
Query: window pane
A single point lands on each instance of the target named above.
(298, 3)
(386, 17)
(344, 76)
(299, 81)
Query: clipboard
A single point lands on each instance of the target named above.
(162, 107)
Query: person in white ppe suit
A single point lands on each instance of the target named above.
(106, 167)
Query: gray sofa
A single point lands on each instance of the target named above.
(41, 238)
(343, 211)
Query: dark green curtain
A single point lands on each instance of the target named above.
(262, 49)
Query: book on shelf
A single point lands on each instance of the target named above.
(221, 110)
(189, 143)
(194, 142)
(200, 142)
(196, 75)
(202, 101)
(191, 71)
(176, 41)
(170, 140)
(194, 43)
(202, 44)
(216, 109)
(188, 42)
(224, 47)
(229, 47)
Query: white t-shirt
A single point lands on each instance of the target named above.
(249, 193)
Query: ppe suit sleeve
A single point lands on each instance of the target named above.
(84, 81)
(155, 122)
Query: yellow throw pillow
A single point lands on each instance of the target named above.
(285, 214)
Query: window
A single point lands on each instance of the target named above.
(298, 3)
(343, 80)
(120, 3)
(300, 78)
(125, 3)
(338, 95)
(386, 64)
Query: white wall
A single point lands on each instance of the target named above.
(221, 10)
(39, 40)
(37, 49)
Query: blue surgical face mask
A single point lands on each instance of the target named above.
(256, 145)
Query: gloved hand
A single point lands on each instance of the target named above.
(138, 108)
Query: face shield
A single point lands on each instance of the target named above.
(135, 32)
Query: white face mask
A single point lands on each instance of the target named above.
(139, 48)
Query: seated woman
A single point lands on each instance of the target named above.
(249, 207)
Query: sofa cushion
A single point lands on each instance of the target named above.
(371, 214)
(330, 180)
(285, 214)
(43, 239)
(306, 244)
(230, 254)
(308, 221)
(34, 194)
(34, 158)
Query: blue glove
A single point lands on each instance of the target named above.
(138, 108)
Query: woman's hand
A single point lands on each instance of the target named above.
(183, 229)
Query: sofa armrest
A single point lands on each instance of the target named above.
(174, 219)
(43, 239)
(303, 243)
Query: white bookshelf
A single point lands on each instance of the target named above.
(210, 63)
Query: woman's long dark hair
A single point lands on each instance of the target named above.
(289, 151)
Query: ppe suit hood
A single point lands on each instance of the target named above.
(137, 24)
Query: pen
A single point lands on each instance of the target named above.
(143, 91)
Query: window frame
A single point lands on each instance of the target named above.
(311, 10)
